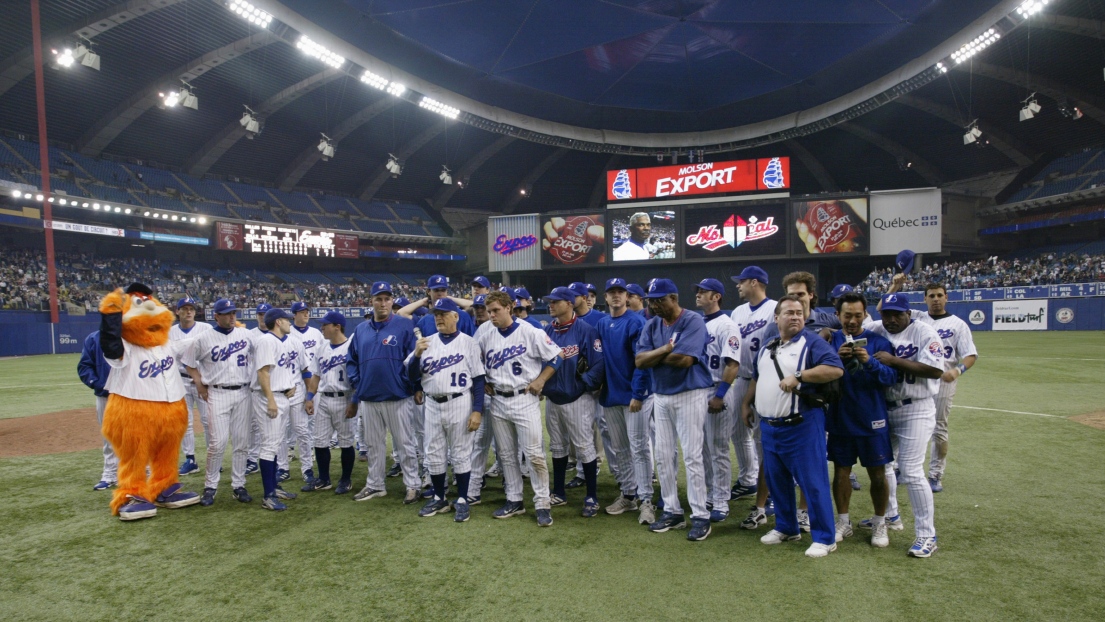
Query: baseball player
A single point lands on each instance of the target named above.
(278, 360)
(479, 309)
(448, 368)
(382, 394)
(481, 286)
(754, 320)
(635, 301)
(919, 361)
(723, 360)
(519, 360)
(93, 371)
(333, 394)
(673, 346)
(299, 424)
(522, 307)
(187, 328)
(569, 412)
(793, 426)
(582, 306)
(255, 428)
(959, 356)
(637, 246)
(438, 287)
(627, 404)
(584, 309)
(221, 369)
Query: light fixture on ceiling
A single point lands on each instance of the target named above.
(81, 52)
(394, 166)
(326, 146)
(904, 164)
(185, 96)
(202, 220)
(1070, 111)
(250, 13)
(941, 67)
(377, 81)
(1031, 107)
(976, 45)
(444, 110)
(250, 122)
(319, 51)
(1030, 8)
(445, 176)
(973, 133)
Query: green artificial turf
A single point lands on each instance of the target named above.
(32, 385)
(1021, 528)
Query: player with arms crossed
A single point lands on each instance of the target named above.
(519, 360)
(187, 328)
(219, 364)
(332, 393)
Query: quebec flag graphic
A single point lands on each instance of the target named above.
(773, 175)
(621, 188)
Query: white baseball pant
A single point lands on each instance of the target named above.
(910, 431)
(194, 404)
(379, 418)
(715, 450)
(254, 439)
(418, 429)
(228, 418)
(629, 442)
(482, 439)
(746, 440)
(682, 417)
(447, 434)
(111, 461)
(330, 420)
(604, 433)
(516, 422)
(298, 431)
(571, 424)
(939, 448)
(271, 429)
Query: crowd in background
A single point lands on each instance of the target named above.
(1046, 269)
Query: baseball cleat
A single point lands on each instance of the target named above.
(648, 513)
(855, 481)
(369, 493)
(777, 537)
(428, 493)
(843, 530)
(755, 518)
(769, 509)
(188, 467)
(544, 517)
(893, 523)
(923, 547)
(700, 528)
(556, 500)
(879, 538)
(251, 467)
(741, 491)
(274, 504)
(362, 456)
(137, 508)
(396, 470)
(474, 500)
(308, 474)
(590, 508)
(623, 504)
(934, 483)
(316, 484)
(804, 520)
(172, 498)
(434, 506)
(494, 471)
(333, 444)
(576, 482)
(718, 516)
(510, 508)
(820, 550)
(282, 475)
(103, 485)
(241, 495)
(208, 497)
(283, 494)
(667, 521)
(344, 486)
(413, 494)
(462, 511)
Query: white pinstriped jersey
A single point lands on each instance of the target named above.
(151, 374)
(751, 324)
(954, 333)
(223, 359)
(312, 340)
(723, 342)
(919, 342)
(176, 333)
(285, 356)
(449, 368)
(329, 366)
(514, 360)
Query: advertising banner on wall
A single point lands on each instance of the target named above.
(735, 231)
(513, 243)
(902, 219)
(643, 235)
(346, 246)
(229, 236)
(831, 226)
(701, 178)
(573, 240)
(1020, 315)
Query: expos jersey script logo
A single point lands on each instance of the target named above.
(570, 351)
(752, 327)
(325, 365)
(223, 354)
(496, 359)
(945, 333)
(431, 366)
(153, 369)
(906, 352)
(288, 360)
(308, 344)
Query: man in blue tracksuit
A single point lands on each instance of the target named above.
(583, 307)
(93, 371)
(382, 395)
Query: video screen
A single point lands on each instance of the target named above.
(643, 235)
(735, 231)
(573, 240)
(837, 226)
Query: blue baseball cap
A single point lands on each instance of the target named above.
(479, 301)
(509, 292)
(446, 304)
(905, 260)
(579, 288)
(567, 294)
(381, 287)
(711, 285)
(276, 314)
(263, 308)
(592, 289)
(401, 302)
(616, 283)
(659, 288)
(895, 302)
(222, 305)
(840, 290)
(334, 317)
(187, 301)
(751, 272)
(522, 293)
(298, 306)
(437, 282)
(635, 289)
(482, 281)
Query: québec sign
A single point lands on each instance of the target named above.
(702, 178)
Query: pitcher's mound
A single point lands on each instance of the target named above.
(51, 433)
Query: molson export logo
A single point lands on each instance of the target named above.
(734, 232)
(701, 178)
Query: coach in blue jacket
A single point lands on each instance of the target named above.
(93, 371)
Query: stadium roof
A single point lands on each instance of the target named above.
(551, 93)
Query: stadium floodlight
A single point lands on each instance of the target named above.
(38, 197)
(250, 122)
(445, 176)
(394, 166)
(1030, 8)
(976, 45)
(127, 211)
(1070, 111)
(435, 106)
(973, 133)
(203, 220)
(317, 50)
(373, 80)
(1031, 108)
(250, 13)
(87, 57)
(174, 216)
(52, 199)
(169, 99)
(63, 58)
(941, 67)
(96, 206)
(396, 89)
(326, 146)
(17, 194)
(118, 209)
(192, 219)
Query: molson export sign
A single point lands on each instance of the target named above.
(702, 178)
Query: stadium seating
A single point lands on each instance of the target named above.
(333, 205)
(303, 220)
(372, 226)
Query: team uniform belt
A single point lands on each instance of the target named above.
(743, 377)
(509, 393)
(898, 404)
(441, 399)
(783, 422)
(333, 393)
(229, 387)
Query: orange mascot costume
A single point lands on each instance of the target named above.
(145, 418)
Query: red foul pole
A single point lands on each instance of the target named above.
(44, 161)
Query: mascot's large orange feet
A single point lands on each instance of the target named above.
(137, 508)
(173, 498)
